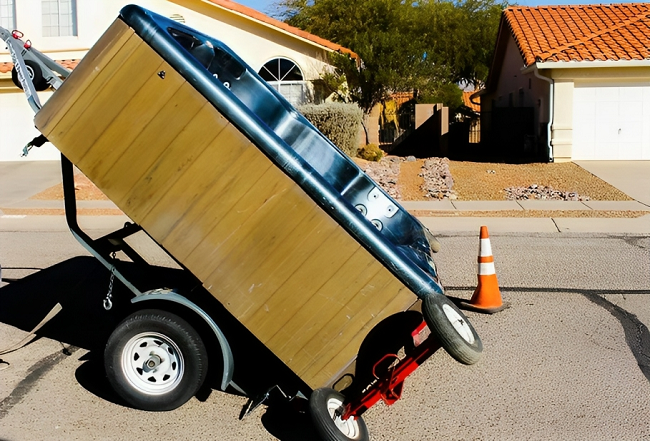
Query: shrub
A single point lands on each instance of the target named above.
(340, 122)
(370, 152)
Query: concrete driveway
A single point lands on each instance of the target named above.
(631, 177)
(19, 180)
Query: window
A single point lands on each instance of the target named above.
(8, 14)
(286, 77)
(281, 69)
(59, 18)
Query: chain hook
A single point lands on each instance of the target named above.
(108, 304)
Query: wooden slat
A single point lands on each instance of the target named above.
(146, 148)
(243, 294)
(258, 238)
(361, 310)
(189, 147)
(303, 284)
(329, 301)
(94, 64)
(234, 223)
(365, 299)
(205, 193)
(95, 110)
(131, 122)
(326, 366)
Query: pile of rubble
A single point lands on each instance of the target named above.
(438, 182)
(385, 173)
(542, 192)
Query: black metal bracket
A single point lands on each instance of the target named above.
(255, 402)
(104, 247)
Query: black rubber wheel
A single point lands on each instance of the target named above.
(455, 333)
(155, 360)
(326, 406)
(35, 73)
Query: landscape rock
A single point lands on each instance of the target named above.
(541, 192)
(438, 181)
(385, 173)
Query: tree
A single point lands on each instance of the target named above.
(421, 46)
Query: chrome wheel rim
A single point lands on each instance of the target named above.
(152, 363)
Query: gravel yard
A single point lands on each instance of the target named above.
(478, 181)
(411, 179)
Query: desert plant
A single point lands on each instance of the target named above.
(370, 152)
(340, 122)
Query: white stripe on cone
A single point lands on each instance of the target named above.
(485, 248)
(486, 269)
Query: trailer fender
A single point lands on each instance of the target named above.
(228, 360)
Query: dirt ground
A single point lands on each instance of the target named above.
(85, 190)
(410, 182)
(486, 181)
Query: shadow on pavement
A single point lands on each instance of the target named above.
(637, 335)
(80, 285)
(287, 424)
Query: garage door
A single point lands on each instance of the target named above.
(611, 121)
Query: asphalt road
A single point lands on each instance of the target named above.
(570, 360)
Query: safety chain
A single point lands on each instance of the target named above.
(108, 304)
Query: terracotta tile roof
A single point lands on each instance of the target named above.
(69, 64)
(581, 32)
(475, 105)
(256, 15)
(401, 97)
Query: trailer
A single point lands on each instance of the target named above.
(278, 233)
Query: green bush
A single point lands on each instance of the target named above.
(340, 122)
(370, 152)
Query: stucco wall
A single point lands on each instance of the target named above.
(517, 89)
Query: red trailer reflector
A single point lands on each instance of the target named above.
(420, 334)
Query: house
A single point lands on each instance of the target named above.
(571, 83)
(290, 59)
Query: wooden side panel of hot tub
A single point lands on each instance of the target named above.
(158, 149)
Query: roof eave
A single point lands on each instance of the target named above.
(588, 64)
(267, 24)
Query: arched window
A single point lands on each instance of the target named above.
(281, 69)
(286, 77)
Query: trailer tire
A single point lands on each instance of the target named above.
(155, 360)
(35, 74)
(325, 406)
(454, 331)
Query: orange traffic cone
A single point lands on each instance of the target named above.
(487, 296)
